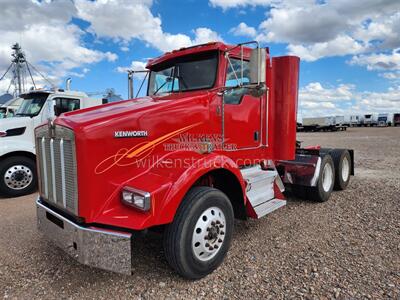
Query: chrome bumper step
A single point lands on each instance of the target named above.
(268, 207)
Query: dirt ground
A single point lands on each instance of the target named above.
(346, 248)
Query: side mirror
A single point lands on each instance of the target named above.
(51, 103)
(258, 65)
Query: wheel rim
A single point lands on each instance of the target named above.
(345, 169)
(209, 234)
(18, 177)
(327, 177)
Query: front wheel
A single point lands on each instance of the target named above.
(198, 239)
(17, 176)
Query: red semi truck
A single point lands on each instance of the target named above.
(213, 140)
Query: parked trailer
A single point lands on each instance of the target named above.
(332, 123)
(385, 120)
(213, 140)
(370, 120)
(396, 119)
(339, 120)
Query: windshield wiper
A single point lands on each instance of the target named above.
(167, 80)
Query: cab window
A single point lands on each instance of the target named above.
(63, 105)
(234, 78)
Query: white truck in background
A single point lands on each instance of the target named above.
(385, 120)
(9, 108)
(370, 120)
(17, 145)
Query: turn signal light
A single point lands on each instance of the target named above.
(136, 198)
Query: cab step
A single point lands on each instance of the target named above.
(268, 207)
(260, 190)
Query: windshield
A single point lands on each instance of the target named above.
(32, 105)
(192, 72)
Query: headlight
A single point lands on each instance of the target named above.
(136, 198)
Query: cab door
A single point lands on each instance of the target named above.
(242, 112)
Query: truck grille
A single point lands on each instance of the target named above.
(57, 167)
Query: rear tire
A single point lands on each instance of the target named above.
(196, 242)
(17, 176)
(342, 162)
(322, 191)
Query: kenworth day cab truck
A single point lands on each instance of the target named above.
(213, 140)
(17, 143)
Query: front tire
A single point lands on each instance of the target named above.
(17, 176)
(198, 239)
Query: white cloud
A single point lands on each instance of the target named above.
(243, 30)
(316, 29)
(204, 35)
(124, 20)
(136, 66)
(318, 100)
(225, 4)
(379, 61)
(341, 45)
(50, 42)
(302, 24)
(382, 32)
(315, 92)
(388, 101)
(56, 46)
(391, 75)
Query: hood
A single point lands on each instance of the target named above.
(107, 114)
(15, 122)
(117, 142)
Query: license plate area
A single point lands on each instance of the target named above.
(96, 247)
(52, 218)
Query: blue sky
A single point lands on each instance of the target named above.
(349, 50)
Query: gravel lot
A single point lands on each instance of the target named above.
(346, 248)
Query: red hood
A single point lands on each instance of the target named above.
(102, 113)
(98, 149)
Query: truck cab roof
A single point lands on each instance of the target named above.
(58, 92)
(211, 46)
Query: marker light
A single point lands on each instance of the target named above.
(136, 198)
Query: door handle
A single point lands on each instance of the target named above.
(256, 135)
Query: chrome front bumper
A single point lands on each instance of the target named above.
(101, 248)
